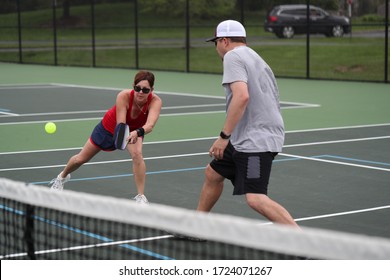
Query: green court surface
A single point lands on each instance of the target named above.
(333, 172)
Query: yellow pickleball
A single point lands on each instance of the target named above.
(50, 127)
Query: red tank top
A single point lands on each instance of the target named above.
(109, 119)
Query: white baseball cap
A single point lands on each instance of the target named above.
(228, 28)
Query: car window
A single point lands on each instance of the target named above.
(284, 12)
(314, 12)
(292, 12)
(275, 11)
(301, 12)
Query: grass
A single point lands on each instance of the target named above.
(350, 61)
(162, 44)
(345, 59)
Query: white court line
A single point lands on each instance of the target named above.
(338, 128)
(214, 137)
(336, 141)
(103, 162)
(296, 105)
(202, 153)
(103, 111)
(335, 162)
(10, 86)
(82, 247)
(8, 114)
(343, 213)
(191, 155)
(45, 121)
(99, 118)
(4, 114)
(157, 91)
(78, 148)
(324, 216)
(61, 113)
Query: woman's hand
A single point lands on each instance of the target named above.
(133, 137)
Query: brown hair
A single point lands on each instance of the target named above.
(144, 75)
(238, 39)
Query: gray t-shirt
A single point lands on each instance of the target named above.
(261, 128)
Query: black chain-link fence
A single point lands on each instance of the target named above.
(170, 35)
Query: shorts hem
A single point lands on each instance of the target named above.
(97, 146)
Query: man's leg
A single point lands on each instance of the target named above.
(211, 190)
(270, 209)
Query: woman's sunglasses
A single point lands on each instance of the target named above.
(144, 90)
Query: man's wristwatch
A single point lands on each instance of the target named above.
(223, 135)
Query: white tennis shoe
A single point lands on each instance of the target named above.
(57, 184)
(141, 199)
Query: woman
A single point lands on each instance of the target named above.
(139, 108)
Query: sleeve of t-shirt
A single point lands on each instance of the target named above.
(233, 69)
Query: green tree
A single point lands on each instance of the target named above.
(204, 9)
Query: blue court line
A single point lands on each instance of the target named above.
(87, 233)
(158, 256)
(355, 160)
(147, 173)
(126, 175)
(203, 167)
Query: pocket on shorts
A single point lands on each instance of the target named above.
(253, 167)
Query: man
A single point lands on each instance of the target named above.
(253, 132)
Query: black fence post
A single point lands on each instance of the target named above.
(387, 42)
(19, 31)
(136, 34)
(308, 39)
(188, 36)
(93, 33)
(54, 2)
(242, 7)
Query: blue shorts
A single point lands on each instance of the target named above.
(103, 139)
(248, 172)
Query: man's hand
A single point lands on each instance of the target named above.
(218, 148)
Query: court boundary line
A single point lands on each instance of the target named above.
(214, 137)
(313, 143)
(125, 242)
(10, 115)
(121, 243)
(107, 241)
(206, 153)
(343, 213)
(185, 169)
(294, 105)
(357, 160)
(339, 127)
(335, 162)
(337, 214)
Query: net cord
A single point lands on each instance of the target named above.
(251, 233)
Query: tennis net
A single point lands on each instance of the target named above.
(36, 223)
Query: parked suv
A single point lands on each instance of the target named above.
(287, 20)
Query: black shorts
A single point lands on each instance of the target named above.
(248, 172)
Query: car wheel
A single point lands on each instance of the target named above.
(279, 34)
(288, 32)
(337, 31)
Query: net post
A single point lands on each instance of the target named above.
(29, 230)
